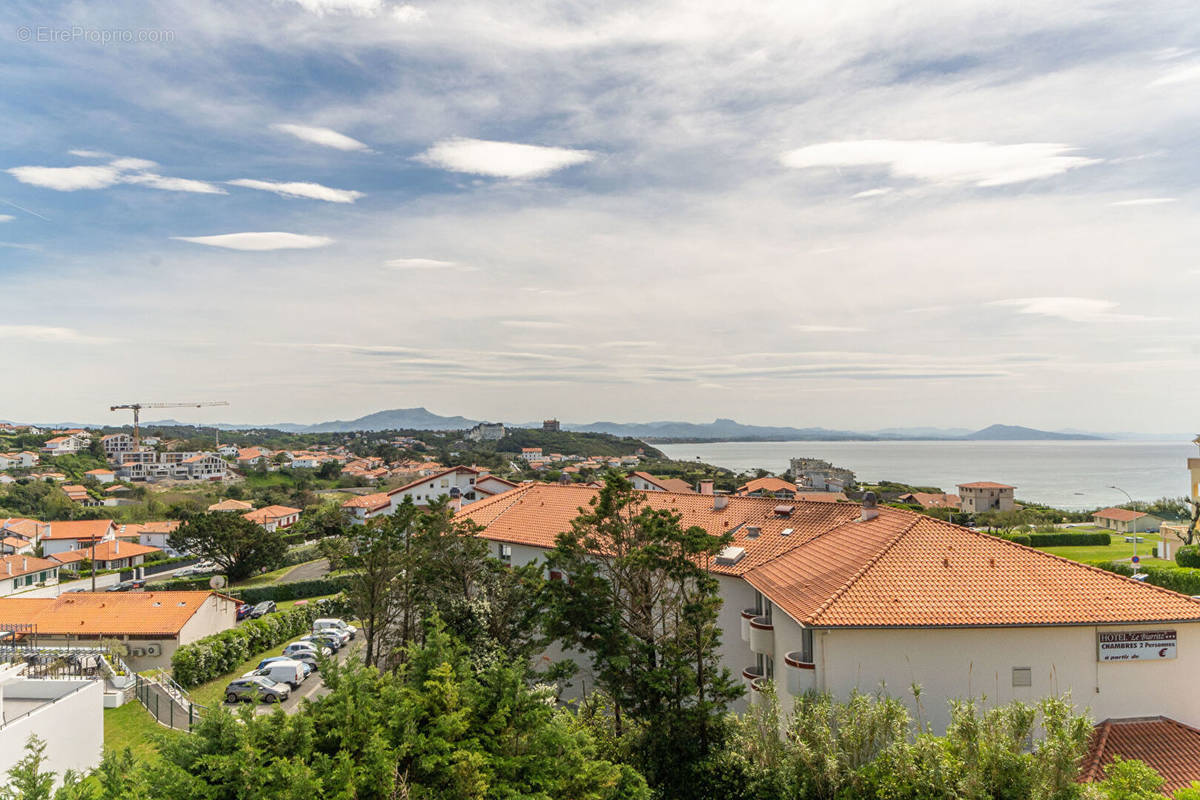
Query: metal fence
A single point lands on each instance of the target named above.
(167, 702)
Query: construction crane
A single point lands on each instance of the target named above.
(137, 407)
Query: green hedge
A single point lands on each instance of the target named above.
(216, 655)
(1188, 556)
(292, 591)
(1069, 539)
(1019, 538)
(1178, 579)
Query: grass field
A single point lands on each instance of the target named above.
(132, 726)
(1119, 550)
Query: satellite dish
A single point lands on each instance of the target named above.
(217, 582)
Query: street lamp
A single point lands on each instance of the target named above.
(1135, 533)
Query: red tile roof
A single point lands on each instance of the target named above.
(1170, 747)
(667, 484)
(105, 551)
(931, 500)
(79, 529)
(106, 613)
(269, 513)
(766, 485)
(371, 502)
(985, 485)
(22, 565)
(900, 569)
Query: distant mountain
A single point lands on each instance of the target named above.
(1017, 433)
(726, 429)
(921, 433)
(417, 419)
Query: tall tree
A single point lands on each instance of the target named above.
(639, 600)
(238, 545)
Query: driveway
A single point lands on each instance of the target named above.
(306, 572)
(312, 688)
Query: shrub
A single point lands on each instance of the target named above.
(1188, 556)
(292, 591)
(218, 654)
(1178, 579)
(1019, 538)
(1069, 539)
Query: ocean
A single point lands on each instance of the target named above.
(1068, 475)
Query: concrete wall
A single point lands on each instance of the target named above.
(217, 614)
(72, 726)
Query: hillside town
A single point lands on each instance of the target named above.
(824, 585)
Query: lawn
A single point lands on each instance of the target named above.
(212, 694)
(132, 726)
(1119, 550)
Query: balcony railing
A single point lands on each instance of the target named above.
(762, 636)
(747, 615)
(801, 673)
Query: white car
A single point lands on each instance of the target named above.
(348, 631)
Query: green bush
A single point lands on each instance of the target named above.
(292, 591)
(1019, 538)
(1188, 556)
(216, 655)
(1069, 539)
(1178, 579)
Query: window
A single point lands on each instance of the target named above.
(806, 645)
(765, 665)
(758, 602)
(506, 553)
(1022, 676)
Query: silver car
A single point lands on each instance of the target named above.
(256, 688)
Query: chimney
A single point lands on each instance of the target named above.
(719, 502)
(9, 565)
(24, 563)
(706, 487)
(116, 545)
(869, 508)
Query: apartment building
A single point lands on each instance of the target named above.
(836, 597)
(463, 485)
(115, 444)
(148, 465)
(984, 496)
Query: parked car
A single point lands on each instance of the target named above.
(309, 669)
(262, 609)
(313, 648)
(254, 688)
(338, 624)
(341, 635)
(287, 671)
(243, 611)
(329, 640)
(306, 657)
(200, 568)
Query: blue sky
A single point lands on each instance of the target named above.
(852, 214)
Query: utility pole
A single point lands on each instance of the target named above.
(1135, 532)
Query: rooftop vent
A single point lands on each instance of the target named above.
(786, 532)
(719, 502)
(752, 531)
(731, 555)
(784, 510)
(869, 508)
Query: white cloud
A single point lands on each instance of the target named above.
(827, 329)
(172, 184)
(358, 8)
(6, 217)
(1184, 74)
(408, 14)
(90, 153)
(312, 191)
(45, 333)
(121, 170)
(872, 193)
(535, 324)
(1144, 201)
(326, 137)
(1073, 309)
(259, 240)
(978, 163)
(67, 179)
(501, 159)
(422, 263)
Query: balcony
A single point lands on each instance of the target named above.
(747, 615)
(762, 636)
(801, 674)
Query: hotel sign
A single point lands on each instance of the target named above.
(1137, 646)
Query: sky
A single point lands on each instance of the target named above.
(852, 214)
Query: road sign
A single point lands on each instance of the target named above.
(1136, 560)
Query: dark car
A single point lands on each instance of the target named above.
(262, 609)
(244, 611)
(256, 688)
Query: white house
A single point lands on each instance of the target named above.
(150, 534)
(982, 496)
(61, 537)
(64, 445)
(836, 597)
(67, 714)
(273, 518)
(368, 506)
(646, 482)
(227, 450)
(532, 453)
(18, 572)
(109, 554)
(102, 475)
(463, 485)
(1122, 520)
(151, 624)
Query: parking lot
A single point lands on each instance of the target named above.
(312, 687)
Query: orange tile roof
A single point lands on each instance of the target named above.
(1120, 514)
(15, 542)
(822, 497)
(99, 472)
(767, 484)
(23, 526)
(106, 613)
(79, 529)
(22, 565)
(985, 485)
(268, 513)
(138, 528)
(230, 504)
(667, 484)
(371, 502)
(1170, 747)
(932, 500)
(105, 551)
(900, 569)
